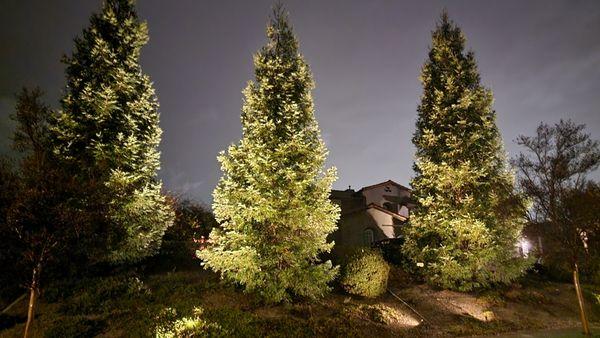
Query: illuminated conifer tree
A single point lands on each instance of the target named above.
(108, 135)
(468, 218)
(273, 199)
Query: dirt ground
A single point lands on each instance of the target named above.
(531, 305)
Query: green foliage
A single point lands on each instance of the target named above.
(104, 295)
(169, 304)
(143, 306)
(380, 313)
(273, 199)
(108, 133)
(226, 322)
(468, 219)
(75, 326)
(470, 326)
(194, 326)
(125, 301)
(366, 273)
(238, 323)
(592, 295)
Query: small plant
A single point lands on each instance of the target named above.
(194, 326)
(381, 313)
(366, 273)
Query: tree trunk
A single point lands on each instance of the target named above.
(32, 298)
(33, 291)
(584, 321)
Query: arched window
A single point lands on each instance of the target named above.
(404, 211)
(368, 237)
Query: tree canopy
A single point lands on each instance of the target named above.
(468, 217)
(108, 133)
(273, 199)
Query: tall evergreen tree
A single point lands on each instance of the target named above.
(273, 199)
(108, 134)
(468, 216)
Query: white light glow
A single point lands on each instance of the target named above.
(525, 246)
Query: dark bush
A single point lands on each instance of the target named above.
(391, 249)
(366, 273)
(193, 220)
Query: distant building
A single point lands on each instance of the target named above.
(370, 215)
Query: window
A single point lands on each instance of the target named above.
(388, 189)
(390, 206)
(368, 237)
(404, 211)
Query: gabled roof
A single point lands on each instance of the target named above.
(388, 182)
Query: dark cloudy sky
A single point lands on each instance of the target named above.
(540, 58)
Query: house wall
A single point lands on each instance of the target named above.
(385, 222)
(377, 195)
(350, 232)
(351, 227)
(357, 217)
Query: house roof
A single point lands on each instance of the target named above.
(388, 182)
(343, 193)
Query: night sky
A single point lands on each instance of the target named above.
(540, 58)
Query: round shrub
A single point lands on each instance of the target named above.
(365, 274)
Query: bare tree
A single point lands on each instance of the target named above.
(38, 216)
(553, 173)
(557, 160)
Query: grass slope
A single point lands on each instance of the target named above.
(131, 305)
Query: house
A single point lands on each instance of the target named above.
(372, 214)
